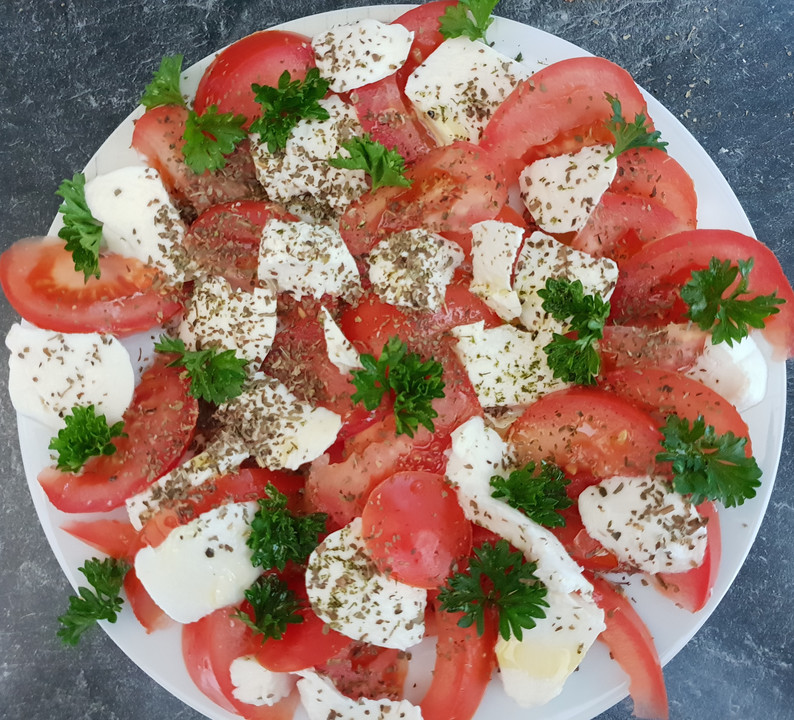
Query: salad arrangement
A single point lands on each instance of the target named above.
(373, 391)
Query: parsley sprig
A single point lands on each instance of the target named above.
(81, 230)
(471, 18)
(278, 536)
(102, 603)
(275, 606)
(630, 135)
(500, 578)
(706, 465)
(86, 435)
(384, 167)
(574, 359)
(413, 384)
(286, 104)
(215, 375)
(537, 492)
(730, 316)
(210, 137)
(164, 88)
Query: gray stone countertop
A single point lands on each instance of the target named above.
(71, 70)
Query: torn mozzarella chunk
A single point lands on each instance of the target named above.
(256, 685)
(494, 248)
(560, 192)
(50, 373)
(361, 52)
(340, 350)
(349, 593)
(645, 523)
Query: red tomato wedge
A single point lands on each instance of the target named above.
(40, 282)
(116, 538)
(586, 551)
(159, 425)
(424, 22)
(259, 58)
(673, 347)
(146, 610)
(631, 645)
(648, 289)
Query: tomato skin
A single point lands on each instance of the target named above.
(673, 347)
(258, 58)
(648, 289)
(586, 551)
(363, 670)
(41, 284)
(159, 424)
(146, 610)
(415, 529)
(424, 22)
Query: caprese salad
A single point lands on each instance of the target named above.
(392, 344)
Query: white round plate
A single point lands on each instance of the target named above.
(599, 683)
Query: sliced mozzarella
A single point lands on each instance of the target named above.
(227, 319)
(201, 566)
(561, 192)
(50, 373)
(543, 257)
(322, 701)
(645, 523)
(361, 52)
(349, 593)
(300, 177)
(413, 268)
(256, 685)
(270, 423)
(459, 86)
(340, 350)
(534, 669)
(138, 218)
(507, 366)
(738, 373)
(494, 247)
(306, 259)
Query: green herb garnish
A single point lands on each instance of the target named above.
(275, 606)
(630, 135)
(210, 137)
(384, 167)
(538, 493)
(471, 18)
(164, 87)
(86, 435)
(81, 230)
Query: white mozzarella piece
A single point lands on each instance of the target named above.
(305, 259)
(645, 523)
(348, 592)
(494, 248)
(300, 177)
(543, 257)
(201, 566)
(340, 350)
(51, 372)
(268, 422)
(361, 52)
(322, 701)
(459, 86)
(561, 192)
(413, 268)
(219, 316)
(138, 218)
(256, 685)
(478, 453)
(738, 373)
(534, 669)
(507, 366)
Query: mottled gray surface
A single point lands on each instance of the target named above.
(72, 69)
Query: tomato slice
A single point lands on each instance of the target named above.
(146, 611)
(363, 670)
(424, 22)
(259, 58)
(673, 347)
(586, 551)
(40, 282)
(159, 425)
(116, 538)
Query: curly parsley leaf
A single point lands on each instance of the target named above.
(275, 606)
(384, 167)
(81, 230)
(210, 137)
(574, 359)
(164, 87)
(730, 316)
(86, 435)
(287, 103)
(215, 375)
(706, 465)
(630, 135)
(102, 603)
(500, 578)
(471, 18)
(413, 384)
(537, 492)
(278, 536)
